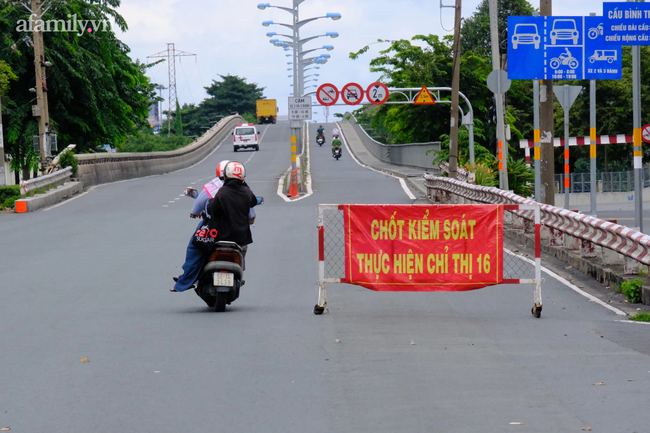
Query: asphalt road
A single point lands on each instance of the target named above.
(91, 279)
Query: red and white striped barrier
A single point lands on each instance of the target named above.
(567, 229)
(581, 141)
(335, 233)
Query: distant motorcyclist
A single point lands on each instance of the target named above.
(335, 143)
(335, 132)
(320, 130)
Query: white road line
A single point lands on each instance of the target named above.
(402, 182)
(135, 178)
(573, 287)
(633, 321)
(406, 188)
(172, 201)
(165, 205)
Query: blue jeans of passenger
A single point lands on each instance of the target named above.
(194, 259)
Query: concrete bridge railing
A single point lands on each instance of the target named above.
(410, 155)
(100, 168)
(560, 227)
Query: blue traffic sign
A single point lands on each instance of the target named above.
(560, 48)
(627, 23)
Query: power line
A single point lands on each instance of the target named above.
(170, 54)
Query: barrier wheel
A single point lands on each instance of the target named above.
(318, 310)
(537, 311)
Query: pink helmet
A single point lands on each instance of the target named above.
(221, 167)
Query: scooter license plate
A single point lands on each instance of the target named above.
(223, 279)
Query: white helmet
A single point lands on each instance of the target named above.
(235, 170)
(221, 167)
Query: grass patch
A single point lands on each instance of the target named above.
(641, 317)
(8, 196)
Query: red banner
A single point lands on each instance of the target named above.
(423, 248)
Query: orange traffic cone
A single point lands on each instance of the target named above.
(293, 185)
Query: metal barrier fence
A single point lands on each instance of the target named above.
(518, 267)
(562, 228)
(610, 181)
(48, 181)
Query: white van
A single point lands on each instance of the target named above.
(245, 136)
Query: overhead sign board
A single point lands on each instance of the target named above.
(352, 94)
(327, 94)
(561, 48)
(626, 23)
(300, 108)
(424, 97)
(377, 93)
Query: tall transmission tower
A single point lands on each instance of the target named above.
(170, 54)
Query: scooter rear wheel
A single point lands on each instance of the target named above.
(220, 303)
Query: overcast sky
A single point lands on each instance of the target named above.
(228, 38)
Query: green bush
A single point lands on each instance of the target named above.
(142, 142)
(67, 159)
(632, 290)
(485, 175)
(641, 317)
(8, 196)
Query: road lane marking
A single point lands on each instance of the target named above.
(573, 287)
(402, 182)
(135, 178)
(633, 321)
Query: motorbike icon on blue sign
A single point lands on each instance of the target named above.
(564, 59)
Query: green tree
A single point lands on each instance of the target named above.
(97, 95)
(231, 94)
(475, 31)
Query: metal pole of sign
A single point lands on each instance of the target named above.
(538, 166)
(502, 147)
(592, 145)
(638, 154)
(567, 180)
(592, 142)
(471, 143)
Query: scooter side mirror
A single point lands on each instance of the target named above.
(191, 192)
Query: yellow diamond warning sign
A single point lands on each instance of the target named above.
(424, 97)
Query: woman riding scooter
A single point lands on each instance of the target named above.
(194, 257)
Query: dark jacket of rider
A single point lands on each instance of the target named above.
(230, 210)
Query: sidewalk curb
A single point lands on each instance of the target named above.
(51, 197)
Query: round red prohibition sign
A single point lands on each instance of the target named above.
(377, 93)
(327, 94)
(352, 94)
(645, 134)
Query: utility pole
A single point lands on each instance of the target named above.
(546, 127)
(2, 150)
(170, 54)
(455, 84)
(502, 144)
(41, 84)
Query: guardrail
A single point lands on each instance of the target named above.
(561, 227)
(411, 155)
(99, 168)
(48, 181)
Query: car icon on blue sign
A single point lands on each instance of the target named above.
(525, 34)
(564, 29)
